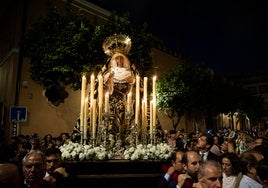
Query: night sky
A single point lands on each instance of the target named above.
(228, 36)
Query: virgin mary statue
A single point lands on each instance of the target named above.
(119, 80)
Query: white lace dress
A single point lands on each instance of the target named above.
(228, 182)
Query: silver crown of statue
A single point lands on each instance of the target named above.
(117, 44)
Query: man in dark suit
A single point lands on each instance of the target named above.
(55, 171)
(204, 144)
(191, 161)
(34, 169)
(171, 171)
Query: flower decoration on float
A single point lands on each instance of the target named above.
(77, 152)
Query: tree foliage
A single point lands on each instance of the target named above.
(58, 47)
(193, 89)
(185, 88)
(63, 46)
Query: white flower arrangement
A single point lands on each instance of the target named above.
(78, 152)
(158, 152)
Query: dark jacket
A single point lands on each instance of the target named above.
(212, 156)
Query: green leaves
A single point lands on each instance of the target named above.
(63, 46)
(190, 88)
(184, 88)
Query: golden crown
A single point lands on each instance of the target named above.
(117, 44)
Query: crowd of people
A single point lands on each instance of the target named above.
(35, 163)
(22, 144)
(223, 158)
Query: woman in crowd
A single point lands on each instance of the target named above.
(47, 139)
(227, 146)
(231, 167)
(216, 145)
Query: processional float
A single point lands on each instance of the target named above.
(117, 108)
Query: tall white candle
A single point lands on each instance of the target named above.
(145, 94)
(142, 115)
(92, 88)
(83, 93)
(154, 100)
(154, 113)
(85, 118)
(151, 117)
(145, 87)
(100, 99)
(154, 88)
(137, 106)
(106, 102)
(94, 118)
(129, 101)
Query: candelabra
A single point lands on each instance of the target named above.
(144, 139)
(133, 137)
(106, 117)
(81, 134)
(92, 140)
(153, 136)
(129, 118)
(85, 140)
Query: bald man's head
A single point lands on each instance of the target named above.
(9, 175)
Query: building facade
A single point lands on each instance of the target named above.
(16, 86)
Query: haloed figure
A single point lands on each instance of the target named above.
(118, 73)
